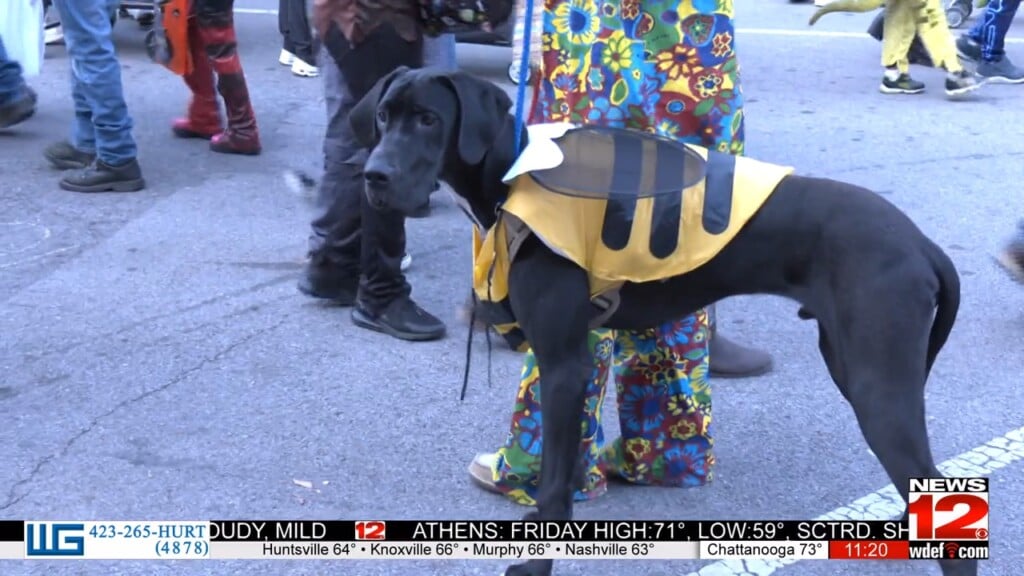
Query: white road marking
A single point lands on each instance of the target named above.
(744, 31)
(886, 504)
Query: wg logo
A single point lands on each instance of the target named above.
(56, 541)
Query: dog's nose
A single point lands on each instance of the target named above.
(376, 178)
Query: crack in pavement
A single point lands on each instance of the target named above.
(13, 497)
(64, 350)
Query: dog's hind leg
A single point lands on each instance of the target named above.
(554, 315)
(884, 366)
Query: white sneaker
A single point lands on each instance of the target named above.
(406, 262)
(820, 3)
(286, 58)
(301, 68)
(54, 35)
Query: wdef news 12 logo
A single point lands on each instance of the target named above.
(948, 518)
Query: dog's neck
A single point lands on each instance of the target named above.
(480, 185)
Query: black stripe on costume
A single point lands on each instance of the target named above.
(721, 169)
(626, 173)
(668, 207)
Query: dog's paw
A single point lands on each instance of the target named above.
(301, 184)
(531, 568)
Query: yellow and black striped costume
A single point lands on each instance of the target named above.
(622, 238)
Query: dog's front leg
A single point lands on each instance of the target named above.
(554, 315)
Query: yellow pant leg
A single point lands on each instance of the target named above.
(900, 26)
(936, 36)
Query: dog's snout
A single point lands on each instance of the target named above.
(376, 178)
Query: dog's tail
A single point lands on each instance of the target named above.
(948, 303)
(846, 6)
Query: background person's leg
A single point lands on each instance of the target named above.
(440, 52)
(17, 100)
(989, 35)
(216, 26)
(97, 87)
(94, 64)
(899, 29)
(383, 302)
(664, 406)
(335, 243)
(11, 79)
(298, 37)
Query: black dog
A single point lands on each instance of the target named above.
(885, 296)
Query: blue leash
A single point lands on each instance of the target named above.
(524, 73)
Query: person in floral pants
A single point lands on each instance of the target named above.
(668, 68)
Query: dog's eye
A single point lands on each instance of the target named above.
(428, 119)
(382, 116)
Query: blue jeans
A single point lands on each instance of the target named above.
(440, 52)
(990, 30)
(11, 80)
(102, 123)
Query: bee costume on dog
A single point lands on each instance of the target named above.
(624, 205)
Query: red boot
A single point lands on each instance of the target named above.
(241, 136)
(203, 120)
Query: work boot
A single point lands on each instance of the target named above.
(203, 120)
(64, 156)
(727, 359)
(20, 108)
(102, 177)
(241, 136)
(402, 318)
(1012, 257)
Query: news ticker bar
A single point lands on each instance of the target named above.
(469, 540)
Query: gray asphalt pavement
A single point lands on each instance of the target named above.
(158, 363)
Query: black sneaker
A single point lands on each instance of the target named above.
(960, 83)
(402, 318)
(18, 110)
(102, 177)
(1012, 257)
(328, 282)
(64, 156)
(968, 49)
(1000, 71)
(902, 84)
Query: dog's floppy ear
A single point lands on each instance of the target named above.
(363, 117)
(483, 112)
